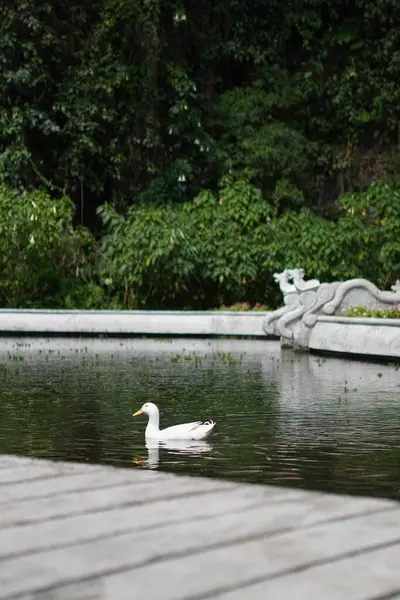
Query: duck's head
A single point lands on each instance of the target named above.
(148, 409)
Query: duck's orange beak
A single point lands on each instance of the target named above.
(139, 412)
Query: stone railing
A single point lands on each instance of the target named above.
(304, 301)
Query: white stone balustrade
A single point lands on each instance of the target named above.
(312, 316)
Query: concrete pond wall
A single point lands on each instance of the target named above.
(132, 323)
(311, 318)
(357, 336)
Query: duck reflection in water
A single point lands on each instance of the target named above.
(174, 447)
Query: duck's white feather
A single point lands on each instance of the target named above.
(197, 430)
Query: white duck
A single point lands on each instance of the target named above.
(198, 430)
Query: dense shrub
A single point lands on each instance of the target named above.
(225, 247)
(219, 249)
(44, 260)
(196, 255)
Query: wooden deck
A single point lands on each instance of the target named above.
(80, 532)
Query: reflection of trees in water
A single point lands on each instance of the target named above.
(279, 419)
(46, 411)
(86, 432)
(328, 399)
(204, 382)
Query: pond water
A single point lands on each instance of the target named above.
(282, 418)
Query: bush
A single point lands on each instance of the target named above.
(224, 248)
(220, 249)
(44, 261)
(198, 255)
(363, 240)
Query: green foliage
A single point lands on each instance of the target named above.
(361, 311)
(195, 256)
(219, 249)
(44, 260)
(363, 241)
(377, 215)
(114, 100)
(274, 153)
(223, 132)
(225, 248)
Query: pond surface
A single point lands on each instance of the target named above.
(282, 418)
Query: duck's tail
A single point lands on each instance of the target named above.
(207, 427)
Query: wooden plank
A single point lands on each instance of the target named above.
(202, 575)
(84, 528)
(107, 499)
(100, 491)
(184, 556)
(371, 575)
(266, 506)
(9, 460)
(42, 471)
(88, 532)
(16, 460)
(73, 483)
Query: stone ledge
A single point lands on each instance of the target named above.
(382, 322)
(131, 323)
(354, 336)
